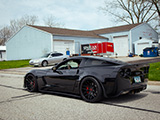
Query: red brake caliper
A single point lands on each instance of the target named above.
(87, 90)
(33, 83)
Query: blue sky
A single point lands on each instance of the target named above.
(75, 14)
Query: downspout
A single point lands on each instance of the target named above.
(130, 40)
(51, 43)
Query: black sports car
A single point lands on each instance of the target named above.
(91, 77)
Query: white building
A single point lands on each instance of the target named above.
(124, 37)
(35, 41)
(144, 43)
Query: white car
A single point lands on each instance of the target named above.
(50, 58)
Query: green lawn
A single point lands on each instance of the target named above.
(154, 71)
(14, 64)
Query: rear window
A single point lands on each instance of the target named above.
(92, 62)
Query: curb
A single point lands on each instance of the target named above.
(154, 83)
(11, 75)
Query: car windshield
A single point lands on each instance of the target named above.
(46, 55)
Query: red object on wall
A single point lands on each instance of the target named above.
(108, 47)
(103, 47)
(94, 47)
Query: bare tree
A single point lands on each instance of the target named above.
(131, 11)
(51, 22)
(157, 5)
(17, 24)
(5, 34)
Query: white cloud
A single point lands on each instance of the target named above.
(76, 14)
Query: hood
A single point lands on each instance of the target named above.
(40, 59)
(38, 72)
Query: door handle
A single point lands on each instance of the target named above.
(77, 71)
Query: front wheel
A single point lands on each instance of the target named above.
(44, 63)
(90, 90)
(31, 83)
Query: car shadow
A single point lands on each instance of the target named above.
(59, 94)
(125, 98)
(118, 102)
(152, 92)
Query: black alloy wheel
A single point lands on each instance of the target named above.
(31, 83)
(90, 90)
(44, 63)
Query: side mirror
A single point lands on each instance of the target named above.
(55, 64)
(54, 69)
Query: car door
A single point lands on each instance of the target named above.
(56, 57)
(59, 57)
(52, 58)
(64, 77)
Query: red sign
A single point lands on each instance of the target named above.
(103, 47)
(94, 47)
(108, 47)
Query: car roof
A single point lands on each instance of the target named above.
(99, 58)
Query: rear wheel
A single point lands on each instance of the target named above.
(31, 83)
(90, 90)
(44, 63)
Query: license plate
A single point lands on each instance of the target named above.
(137, 79)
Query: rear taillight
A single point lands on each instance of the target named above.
(145, 69)
(126, 72)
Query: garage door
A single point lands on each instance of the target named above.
(63, 45)
(140, 46)
(121, 45)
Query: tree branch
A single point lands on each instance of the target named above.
(147, 12)
(127, 10)
(149, 19)
(122, 18)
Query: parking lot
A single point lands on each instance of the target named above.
(18, 104)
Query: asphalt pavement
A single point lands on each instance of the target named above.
(18, 104)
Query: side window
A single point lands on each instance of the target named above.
(71, 64)
(92, 62)
(56, 54)
(59, 54)
(53, 55)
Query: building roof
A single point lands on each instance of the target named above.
(115, 29)
(68, 32)
(82, 33)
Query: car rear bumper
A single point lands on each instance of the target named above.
(120, 85)
(134, 89)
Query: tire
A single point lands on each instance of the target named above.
(90, 90)
(31, 83)
(64, 59)
(44, 63)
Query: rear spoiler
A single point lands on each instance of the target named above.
(145, 61)
(143, 65)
